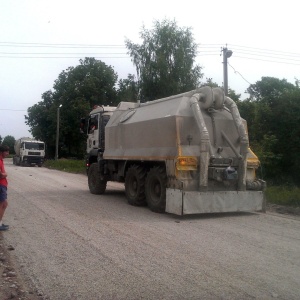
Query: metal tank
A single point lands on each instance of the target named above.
(197, 141)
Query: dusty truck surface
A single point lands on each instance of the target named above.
(184, 154)
(29, 152)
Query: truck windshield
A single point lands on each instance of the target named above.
(34, 146)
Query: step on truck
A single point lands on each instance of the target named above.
(29, 152)
(184, 154)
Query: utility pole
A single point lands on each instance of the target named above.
(226, 54)
(57, 133)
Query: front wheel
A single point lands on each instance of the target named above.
(96, 184)
(156, 183)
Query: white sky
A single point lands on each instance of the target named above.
(242, 25)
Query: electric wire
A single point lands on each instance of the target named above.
(244, 52)
(237, 72)
(8, 109)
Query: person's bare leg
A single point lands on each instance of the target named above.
(3, 206)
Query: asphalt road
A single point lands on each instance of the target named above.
(75, 245)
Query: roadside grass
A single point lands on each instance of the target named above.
(283, 195)
(67, 165)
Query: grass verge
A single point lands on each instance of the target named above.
(67, 165)
(283, 195)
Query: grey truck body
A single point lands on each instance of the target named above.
(185, 154)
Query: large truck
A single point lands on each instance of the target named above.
(184, 154)
(29, 152)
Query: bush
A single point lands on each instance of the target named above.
(283, 195)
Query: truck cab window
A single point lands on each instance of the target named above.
(93, 124)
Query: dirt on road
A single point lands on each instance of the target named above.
(13, 285)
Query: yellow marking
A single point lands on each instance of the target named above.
(252, 159)
(186, 163)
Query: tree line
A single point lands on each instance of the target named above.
(165, 65)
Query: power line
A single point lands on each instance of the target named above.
(8, 109)
(65, 57)
(235, 71)
(15, 44)
(58, 53)
(255, 53)
(200, 45)
(240, 51)
(267, 60)
(253, 50)
(265, 50)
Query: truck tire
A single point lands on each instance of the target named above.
(135, 185)
(17, 161)
(156, 183)
(96, 184)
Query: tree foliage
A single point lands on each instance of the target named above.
(273, 115)
(10, 142)
(128, 89)
(165, 60)
(77, 90)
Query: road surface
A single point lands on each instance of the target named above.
(75, 245)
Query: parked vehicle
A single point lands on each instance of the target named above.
(29, 152)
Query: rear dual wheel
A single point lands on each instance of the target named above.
(135, 185)
(156, 183)
(146, 189)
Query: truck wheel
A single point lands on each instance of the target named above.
(96, 184)
(135, 185)
(156, 189)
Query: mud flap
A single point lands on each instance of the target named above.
(181, 203)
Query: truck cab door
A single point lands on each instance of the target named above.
(93, 132)
(103, 121)
(96, 132)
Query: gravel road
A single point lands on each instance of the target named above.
(74, 245)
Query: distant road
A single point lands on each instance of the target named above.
(75, 245)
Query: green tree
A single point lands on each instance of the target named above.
(268, 89)
(165, 60)
(274, 110)
(128, 89)
(209, 82)
(10, 142)
(41, 119)
(77, 90)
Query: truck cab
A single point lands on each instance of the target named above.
(94, 126)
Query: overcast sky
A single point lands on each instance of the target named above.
(41, 38)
